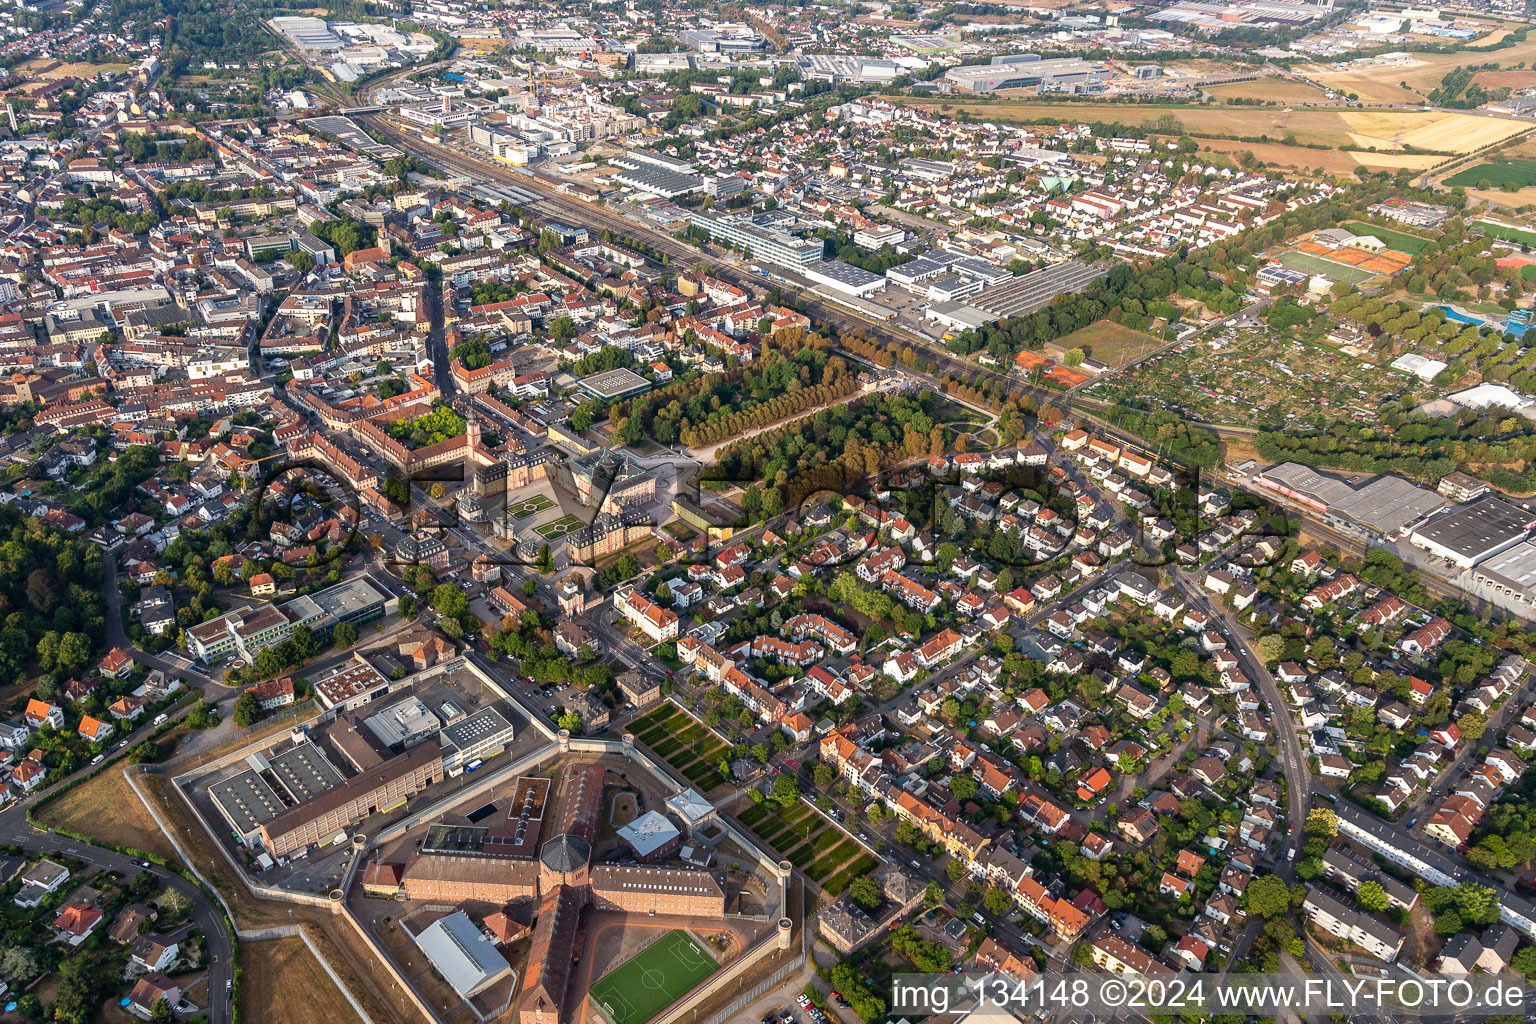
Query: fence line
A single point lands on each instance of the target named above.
(763, 986)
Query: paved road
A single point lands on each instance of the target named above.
(14, 828)
(117, 636)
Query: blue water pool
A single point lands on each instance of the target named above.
(1517, 323)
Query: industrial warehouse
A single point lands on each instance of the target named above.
(1027, 71)
(1383, 506)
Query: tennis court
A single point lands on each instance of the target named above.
(658, 976)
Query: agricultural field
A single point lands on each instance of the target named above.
(1301, 160)
(1256, 379)
(1341, 129)
(1399, 83)
(827, 855)
(1110, 343)
(1401, 241)
(1517, 172)
(1270, 87)
(1436, 130)
(1516, 80)
(653, 979)
(683, 743)
(1329, 269)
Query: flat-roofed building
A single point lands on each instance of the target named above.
(1384, 505)
(462, 954)
(1064, 75)
(381, 789)
(760, 240)
(1336, 918)
(1507, 578)
(612, 385)
(351, 687)
(483, 734)
(270, 784)
(1469, 534)
(403, 724)
(652, 837)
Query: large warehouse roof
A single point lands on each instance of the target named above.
(1472, 532)
(461, 954)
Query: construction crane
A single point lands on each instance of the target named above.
(539, 82)
(245, 481)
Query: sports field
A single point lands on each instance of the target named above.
(1518, 172)
(1399, 240)
(657, 977)
(1509, 234)
(1110, 343)
(1329, 269)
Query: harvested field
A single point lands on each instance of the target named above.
(1516, 80)
(1451, 133)
(1393, 161)
(281, 980)
(1295, 158)
(1274, 88)
(1347, 129)
(1500, 199)
(1370, 88)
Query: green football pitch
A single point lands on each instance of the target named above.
(657, 977)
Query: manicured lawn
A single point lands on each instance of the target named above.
(1410, 244)
(532, 507)
(687, 746)
(657, 977)
(811, 843)
(829, 861)
(1509, 234)
(559, 528)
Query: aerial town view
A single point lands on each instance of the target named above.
(832, 512)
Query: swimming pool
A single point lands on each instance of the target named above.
(1517, 323)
